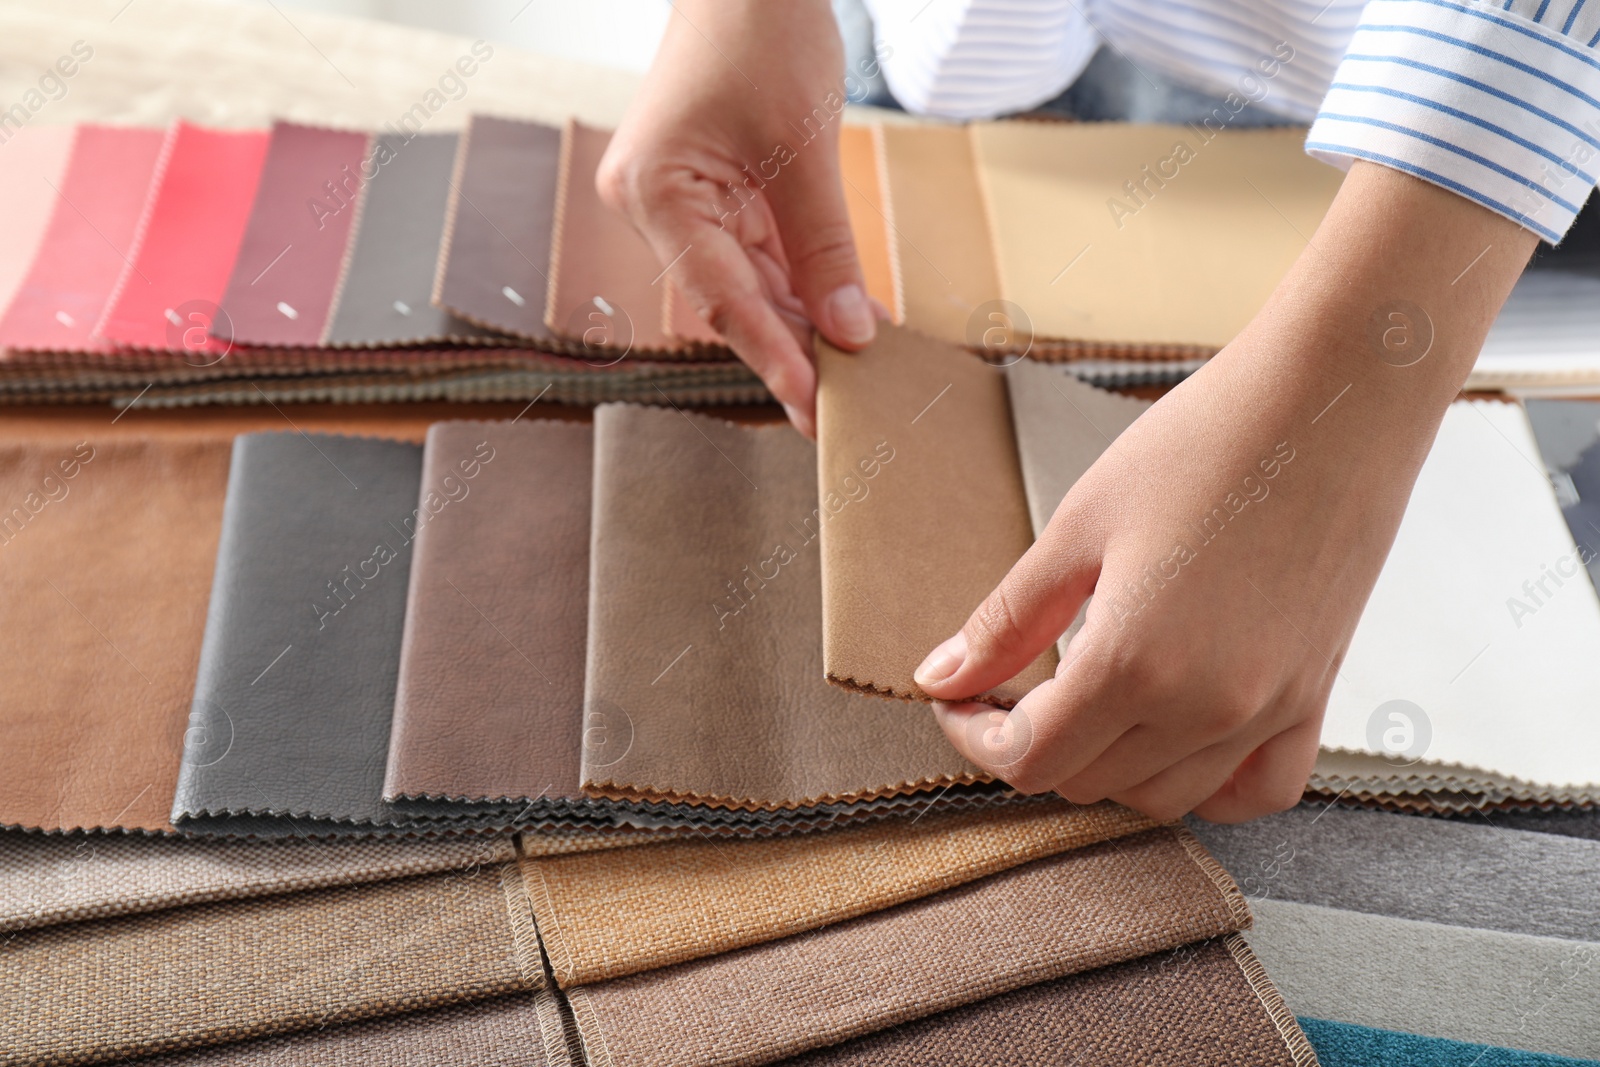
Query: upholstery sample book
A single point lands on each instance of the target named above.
(1093, 907)
(1346, 1045)
(385, 294)
(106, 551)
(1482, 986)
(494, 266)
(604, 915)
(283, 280)
(706, 623)
(91, 224)
(194, 219)
(30, 177)
(916, 466)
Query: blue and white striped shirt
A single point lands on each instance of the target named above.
(1498, 100)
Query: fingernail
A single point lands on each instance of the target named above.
(851, 315)
(943, 661)
(801, 421)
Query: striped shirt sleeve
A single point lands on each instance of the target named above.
(1498, 100)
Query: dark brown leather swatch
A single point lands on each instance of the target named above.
(283, 280)
(704, 678)
(909, 553)
(490, 698)
(494, 268)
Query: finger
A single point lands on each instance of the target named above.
(1272, 778)
(1176, 791)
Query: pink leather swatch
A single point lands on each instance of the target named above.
(89, 232)
(32, 160)
(194, 220)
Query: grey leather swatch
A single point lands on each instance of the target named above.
(1568, 432)
(386, 293)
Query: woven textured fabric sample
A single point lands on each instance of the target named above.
(194, 218)
(226, 972)
(385, 294)
(282, 283)
(1122, 237)
(1460, 873)
(45, 880)
(1482, 986)
(933, 422)
(30, 173)
(102, 195)
(1202, 1003)
(494, 268)
(490, 698)
(106, 553)
(704, 619)
(1344, 1045)
(863, 199)
(603, 915)
(942, 257)
(1094, 907)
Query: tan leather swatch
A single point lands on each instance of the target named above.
(705, 625)
(106, 553)
(226, 972)
(1094, 907)
(1180, 262)
(863, 199)
(942, 256)
(605, 915)
(908, 555)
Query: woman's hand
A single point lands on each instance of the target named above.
(728, 163)
(1231, 536)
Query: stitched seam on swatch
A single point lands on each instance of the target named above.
(458, 167)
(1271, 1000)
(524, 935)
(594, 1044)
(906, 789)
(547, 924)
(1227, 888)
(552, 1031)
(986, 210)
(141, 230)
(880, 161)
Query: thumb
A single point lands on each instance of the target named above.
(1030, 608)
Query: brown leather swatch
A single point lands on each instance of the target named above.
(863, 199)
(705, 618)
(605, 915)
(1094, 907)
(490, 698)
(908, 555)
(1209, 1002)
(943, 259)
(106, 554)
(224, 972)
(494, 267)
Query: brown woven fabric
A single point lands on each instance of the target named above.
(608, 914)
(1097, 906)
(92, 992)
(1203, 1003)
(46, 880)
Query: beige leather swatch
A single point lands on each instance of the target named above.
(704, 680)
(940, 249)
(1095, 907)
(604, 915)
(1181, 261)
(863, 199)
(31, 167)
(908, 555)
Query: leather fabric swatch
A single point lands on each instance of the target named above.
(863, 199)
(1568, 434)
(608, 914)
(385, 294)
(909, 554)
(91, 227)
(494, 267)
(705, 615)
(1094, 907)
(1345, 1045)
(230, 971)
(106, 552)
(490, 698)
(1208, 1002)
(282, 284)
(31, 170)
(189, 233)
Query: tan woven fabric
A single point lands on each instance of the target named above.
(605, 915)
(1097, 906)
(49, 879)
(91, 992)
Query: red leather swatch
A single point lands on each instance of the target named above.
(91, 229)
(193, 222)
(288, 264)
(32, 160)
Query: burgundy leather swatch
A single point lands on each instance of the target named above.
(189, 234)
(91, 229)
(30, 172)
(283, 280)
(705, 625)
(490, 698)
(495, 267)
